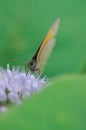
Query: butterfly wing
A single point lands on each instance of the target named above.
(47, 45)
(45, 54)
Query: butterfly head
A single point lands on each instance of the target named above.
(32, 65)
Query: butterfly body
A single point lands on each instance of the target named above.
(38, 60)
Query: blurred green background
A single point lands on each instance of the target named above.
(23, 25)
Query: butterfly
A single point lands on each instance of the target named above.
(39, 59)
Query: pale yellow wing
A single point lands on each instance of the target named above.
(45, 54)
(51, 34)
(47, 45)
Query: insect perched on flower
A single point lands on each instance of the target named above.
(38, 60)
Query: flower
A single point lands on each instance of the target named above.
(15, 85)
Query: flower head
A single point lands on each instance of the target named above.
(15, 85)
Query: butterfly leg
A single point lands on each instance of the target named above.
(38, 72)
(26, 68)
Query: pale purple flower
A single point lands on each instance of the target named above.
(2, 95)
(15, 85)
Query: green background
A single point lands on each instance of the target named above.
(23, 25)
